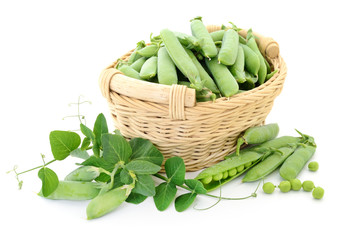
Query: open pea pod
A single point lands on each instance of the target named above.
(229, 169)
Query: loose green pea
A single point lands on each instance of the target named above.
(232, 172)
(308, 186)
(318, 193)
(240, 168)
(313, 166)
(285, 186)
(218, 176)
(295, 184)
(268, 187)
(207, 180)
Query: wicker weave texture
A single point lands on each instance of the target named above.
(202, 135)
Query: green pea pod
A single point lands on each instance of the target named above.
(166, 70)
(228, 52)
(258, 135)
(212, 177)
(280, 142)
(250, 78)
(270, 75)
(251, 60)
(268, 165)
(137, 65)
(262, 72)
(84, 174)
(202, 95)
(149, 51)
(135, 56)
(296, 162)
(75, 190)
(129, 71)
(205, 77)
(217, 35)
(226, 83)
(181, 59)
(207, 45)
(237, 69)
(107, 202)
(267, 65)
(190, 42)
(149, 68)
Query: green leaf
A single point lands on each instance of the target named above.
(85, 143)
(196, 186)
(49, 180)
(136, 198)
(79, 153)
(142, 167)
(87, 132)
(165, 193)
(63, 143)
(125, 177)
(96, 149)
(143, 149)
(183, 201)
(98, 162)
(100, 127)
(145, 185)
(175, 170)
(115, 148)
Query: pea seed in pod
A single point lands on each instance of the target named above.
(308, 185)
(166, 70)
(313, 166)
(207, 180)
(284, 186)
(295, 184)
(149, 68)
(318, 193)
(232, 172)
(226, 83)
(218, 177)
(268, 187)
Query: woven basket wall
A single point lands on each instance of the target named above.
(202, 135)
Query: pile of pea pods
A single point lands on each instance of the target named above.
(217, 64)
(264, 153)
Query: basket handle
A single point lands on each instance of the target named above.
(267, 45)
(176, 96)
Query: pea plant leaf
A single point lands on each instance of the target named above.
(142, 167)
(143, 149)
(87, 132)
(145, 185)
(125, 177)
(136, 198)
(175, 170)
(79, 153)
(196, 186)
(63, 143)
(100, 127)
(49, 181)
(183, 201)
(165, 193)
(115, 148)
(85, 143)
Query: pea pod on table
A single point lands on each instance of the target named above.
(84, 174)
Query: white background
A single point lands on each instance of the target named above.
(51, 52)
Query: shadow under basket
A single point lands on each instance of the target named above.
(202, 133)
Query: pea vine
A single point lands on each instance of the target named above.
(133, 165)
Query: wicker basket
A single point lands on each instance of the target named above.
(201, 133)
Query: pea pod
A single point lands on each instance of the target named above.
(251, 60)
(135, 56)
(149, 68)
(75, 190)
(190, 42)
(137, 65)
(217, 35)
(203, 95)
(149, 51)
(129, 71)
(258, 134)
(166, 70)
(247, 159)
(226, 83)
(107, 202)
(84, 174)
(181, 59)
(237, 69)
(251, 42)
(296, 162)
(228, 52)
(268, 165)
(205, 77)
(199, 31)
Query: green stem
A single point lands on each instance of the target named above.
(45, 164)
